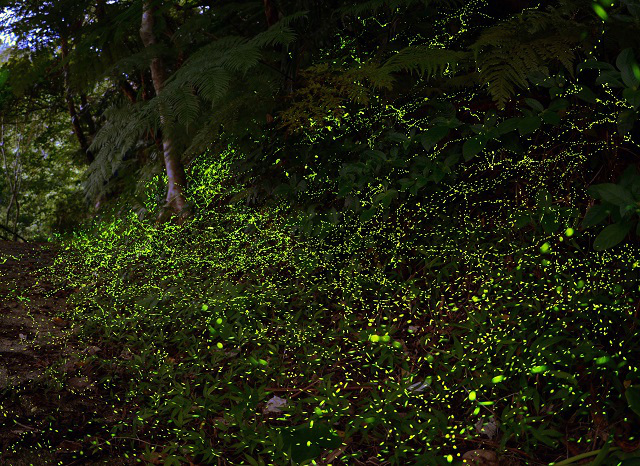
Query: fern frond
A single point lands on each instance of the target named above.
(505, 54)
(280, 33)
(426, 61)
(185, 105)
(243, 58)
(138, 61)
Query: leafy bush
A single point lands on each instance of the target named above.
(241, 336)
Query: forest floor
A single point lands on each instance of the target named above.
(45, 387)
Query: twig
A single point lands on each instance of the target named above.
(12, 232)
(27, 427)
(582, 456)
(495, 444)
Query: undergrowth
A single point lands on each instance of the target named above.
(239, 339)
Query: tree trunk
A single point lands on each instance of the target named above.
(173, 164)
(73, 113)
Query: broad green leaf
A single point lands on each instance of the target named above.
(549, 223)
(452, 159)
(626, 210)
(612, 78)
(543, 199)
(405, 183)
(595, 65)
(602, 455)
(432, 136)
(613, 193)
(508, 125)
(511, 143)
(283, 189)
(587, 95)
(534, 104)
(625, 62)
(307, 442)
(437, 175)
(367, 214)
(345, 188)
(529, 124)
(629, 177)
(522, 220)
(633, 398)
(490, 118)
(629, 78)
(386, 197)
(632, 96)
(546, 436)
(558, 104)
(397, 137)
(472, 147)
(595, 215)
(626, 120)
(447, 122)
(611, 235)
(625, 58)
(551, 118)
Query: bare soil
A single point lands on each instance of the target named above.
(49, 399)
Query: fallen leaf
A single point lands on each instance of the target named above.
(60, 322)
(68, 445)
(419, 387)
(79, 383)
(489, 429)
(91, 350)
(274, 405)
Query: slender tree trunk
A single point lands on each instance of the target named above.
(15, 220)
(129, 91)
(173, 164)
(73, 112)
(85, 111)
(271, 12)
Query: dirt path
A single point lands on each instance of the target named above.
(46, 389)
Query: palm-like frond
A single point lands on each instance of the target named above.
(426, 61)
(194, 100)
(505, 54)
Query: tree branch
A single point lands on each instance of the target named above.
(15, 234)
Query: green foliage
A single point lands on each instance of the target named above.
(425, 61)
(508, 53)
(197, 92)
(401, 321)
(620, 201)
